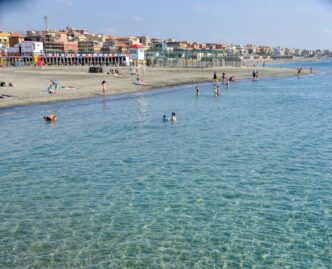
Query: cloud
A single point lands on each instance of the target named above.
(67, 3)
(110, 30)
(138, 19)
(327, 31)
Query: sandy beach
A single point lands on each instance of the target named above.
(30, 85)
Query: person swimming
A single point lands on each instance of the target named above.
(50, 118)
(165, 118)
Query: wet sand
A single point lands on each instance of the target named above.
(31, 84)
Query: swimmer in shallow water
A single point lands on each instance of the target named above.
(197, 91)
(173, 117)
(50, 118)
(165, 118)
(216, 91)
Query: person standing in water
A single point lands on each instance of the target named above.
(223, 76)
(216, 91)
(197, 91)
(173, 117)
(103, 85)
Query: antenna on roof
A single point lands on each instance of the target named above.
(46, 23)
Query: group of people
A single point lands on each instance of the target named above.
(216, 90)
(224, 79)
(172, 118)
(3, 84)
(114, 72)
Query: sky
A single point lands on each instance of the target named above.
(286, 23)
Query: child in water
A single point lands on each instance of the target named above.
(197, 91)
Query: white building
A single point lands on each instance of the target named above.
(27, 48)
(136, 52)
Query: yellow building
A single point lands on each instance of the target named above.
(4, 38)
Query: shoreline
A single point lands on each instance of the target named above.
(30, 83)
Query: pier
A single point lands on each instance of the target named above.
(66, 60)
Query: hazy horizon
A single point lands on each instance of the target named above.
(299, 24)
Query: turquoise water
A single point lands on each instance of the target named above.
(243, 180)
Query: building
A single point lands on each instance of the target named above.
(161, 46)
(70, 47)
(15, 39)
(26, 48)
(136, 55)
(4, 38)
(177, 45)
(145, 41)
(89, 47)
(108, 48)
(53, 47)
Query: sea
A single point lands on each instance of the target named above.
(241, 180)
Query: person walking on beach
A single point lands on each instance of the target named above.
(254, 75)
(103, 85)
(215, 78)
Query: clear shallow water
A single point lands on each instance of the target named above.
(240, 181)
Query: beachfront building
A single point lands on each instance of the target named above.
(136, 55)
(3, 54)
(161, 46)
(178, 45)
(108, 48)
(70, 47)
(4, 38)
(15, 38)
(25, 52)
(26, 49)
(145, 41)
(89, 47)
